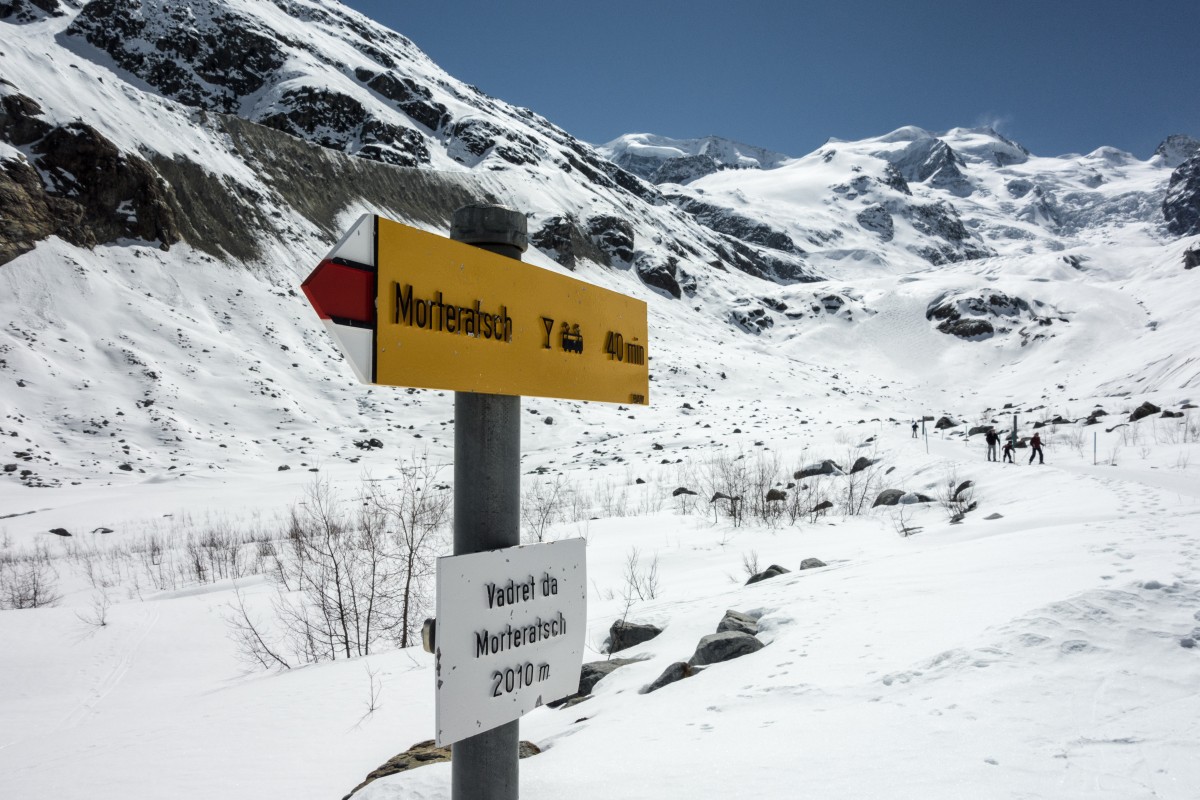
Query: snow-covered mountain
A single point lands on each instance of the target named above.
(204, 138)
(169, 173)
(660, 159)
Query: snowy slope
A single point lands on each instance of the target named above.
(155, 395)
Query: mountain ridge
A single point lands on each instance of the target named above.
(132, 184)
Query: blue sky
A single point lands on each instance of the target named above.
(1056, 75)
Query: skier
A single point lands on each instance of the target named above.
(1008, 450)
(1036, 444)
(914, 429)
(992, 441)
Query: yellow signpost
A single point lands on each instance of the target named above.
(452, 316)
(410, 308)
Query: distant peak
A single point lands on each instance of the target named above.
(909, 133)
(649, 156)
(1175, 149)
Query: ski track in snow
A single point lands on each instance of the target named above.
(87, 708)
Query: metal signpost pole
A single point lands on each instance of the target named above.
(487, 504)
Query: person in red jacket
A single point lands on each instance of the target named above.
(1036, 444)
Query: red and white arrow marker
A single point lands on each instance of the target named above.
(342, 291)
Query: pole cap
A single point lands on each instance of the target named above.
(490, 224)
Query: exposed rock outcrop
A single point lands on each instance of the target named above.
(675, 672)
(727, 221)
(770, 572)
(590, 674)
(941, 221)
(623, 635)
(1146, 409)
(340, 122)
(977, 315)
(563, 240)
(1176, 149)
(876, 219)
(662, 275)
(752, 320)
(79, 186)
(737, 621)
(209, 60)
(930, 160)
(888, 497)
(613, 236)
(685, 169)
(1181, 206)
(29, 10)
(422, 754)
(724, 646)
(826, 467)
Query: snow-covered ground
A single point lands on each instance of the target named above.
(1037, 654)
(1040, 653)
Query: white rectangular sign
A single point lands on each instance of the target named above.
(510, 633)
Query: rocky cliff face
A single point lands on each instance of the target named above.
(1181, 206)
(75, 184)
(21, 11)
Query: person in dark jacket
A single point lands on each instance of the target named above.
(993, 442)
(1036, 444)
(1008, 450)
(914, 430)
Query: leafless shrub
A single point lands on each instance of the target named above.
(1132, 434)
(956, 497)
(418, 508)
(900, 522)
(727, 482)
(612, 500)
(652, 499)
(808, 500)
(578, 504)
(640, 581)
(750, 563)
(1075, 439)
(97, 615)
(542, 506)
(685, 478)
(254, 645)
(763, 476)
(859, 489)
(27, 583)
(374, 689)
(350, 576)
